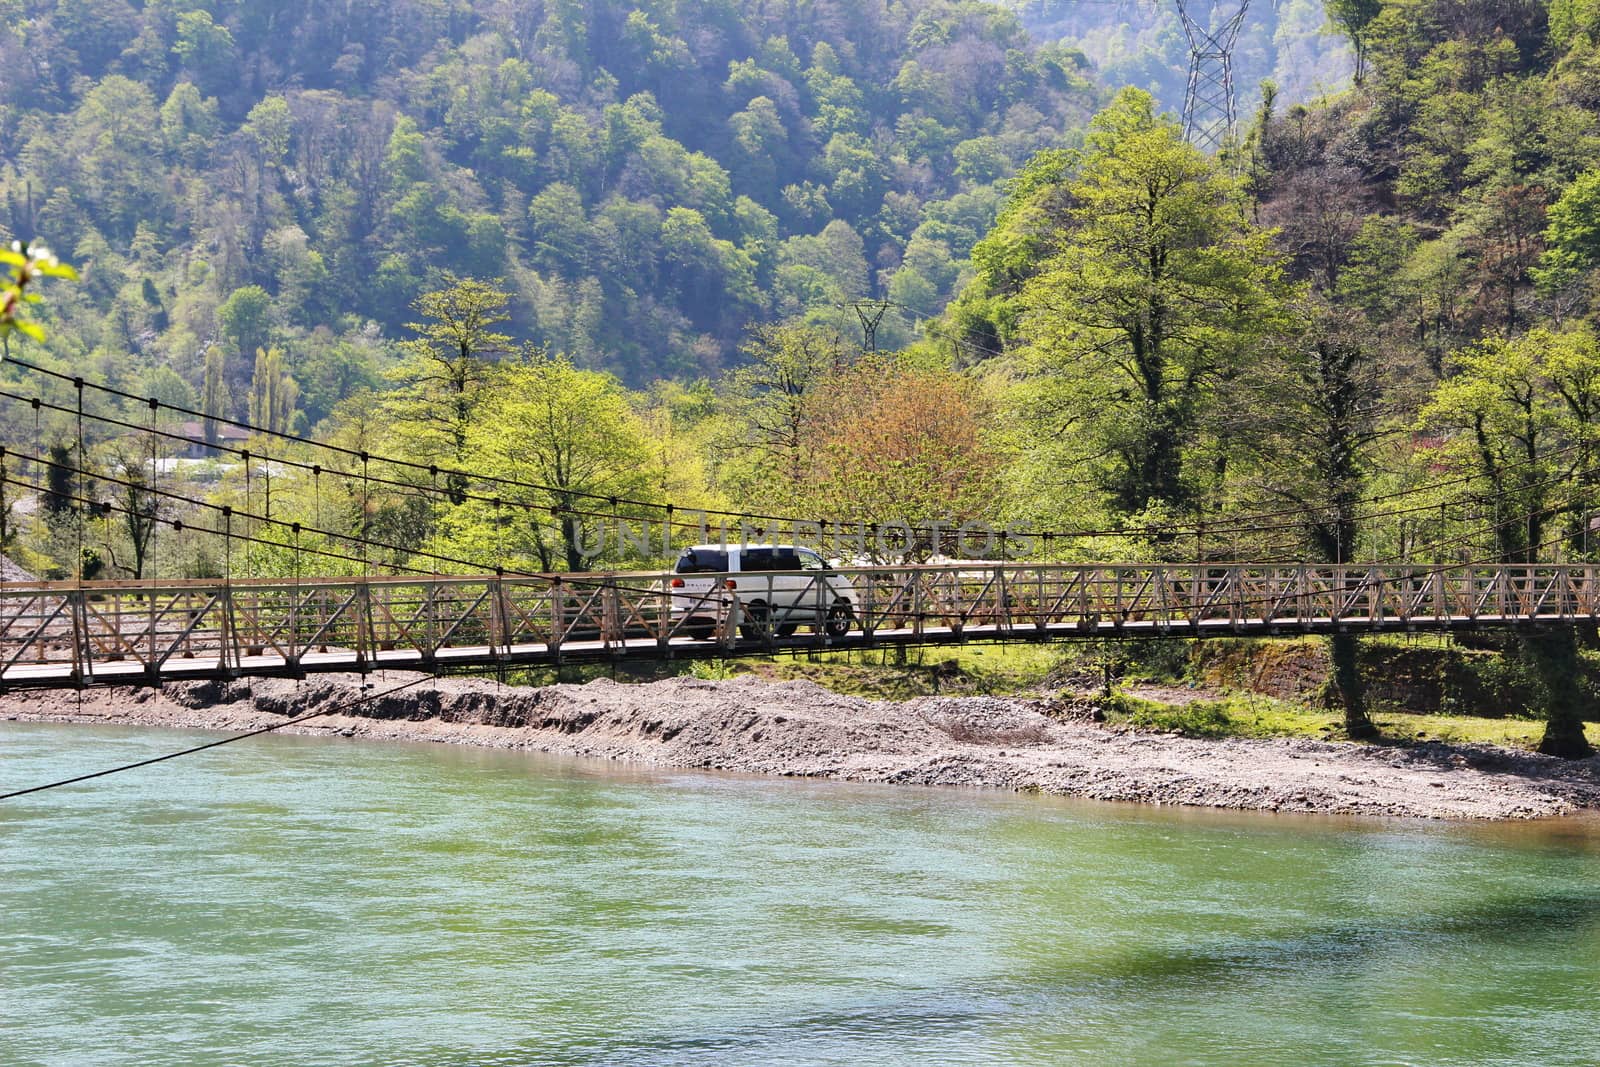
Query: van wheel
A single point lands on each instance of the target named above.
(700, 632)
(755, 621)
(839, 619)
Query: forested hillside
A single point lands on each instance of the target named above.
(1444, 207)
(1366, 335)
(648, 178)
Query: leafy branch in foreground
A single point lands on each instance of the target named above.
(24, 265)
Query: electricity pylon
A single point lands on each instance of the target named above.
(870, 312)
(1209, 117)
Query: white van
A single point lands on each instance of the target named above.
(779, 586)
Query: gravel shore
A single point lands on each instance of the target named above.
(800, 729)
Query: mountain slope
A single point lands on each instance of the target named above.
(647, 177)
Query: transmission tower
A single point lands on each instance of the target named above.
(870, 312)
(1209, 118)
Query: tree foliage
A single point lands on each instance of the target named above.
(647, 180)
(1158, 295)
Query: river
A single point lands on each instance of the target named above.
(316, 901)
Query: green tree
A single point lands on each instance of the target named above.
(205, 48)
(772, 404)
(1521, 414)
(445, 370)
(1315, 426)
(559, 229)
(572, 431)
(329, 373)
(1353, 17)
(214, 399)
(189, 123)
(1572, 237)
(114, 146)
(274, 396)
(246, 321)
(1159, 294)
(139, 509)
(760, 143)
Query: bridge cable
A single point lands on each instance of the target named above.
(82, 462)
(270, 728)
(148, 556)
(1236, 524)
(1244, 523)
(1237, 520)
(356, 454)
(178, 525)
(602, 580)
(230, 536)
(248, 563)
(227, 512)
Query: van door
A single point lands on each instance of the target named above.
(695, 592)
(766, 591)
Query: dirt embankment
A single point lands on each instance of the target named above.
(800, 729)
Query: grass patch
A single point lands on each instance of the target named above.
(1232, 716)
(901, 674)
(1508, 733)
(716, 670)
(1257, 716)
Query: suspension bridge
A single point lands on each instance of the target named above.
(75, 635)
(412, 609)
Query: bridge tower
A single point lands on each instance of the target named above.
(1212, 27)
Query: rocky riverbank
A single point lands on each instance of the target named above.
(800, 729)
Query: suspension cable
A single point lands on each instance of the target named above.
(1243, 524)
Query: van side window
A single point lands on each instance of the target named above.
(702, 561)
(811, 561)
(756, 559)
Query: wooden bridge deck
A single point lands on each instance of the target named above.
(123, 633)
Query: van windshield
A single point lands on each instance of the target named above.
(702, 561)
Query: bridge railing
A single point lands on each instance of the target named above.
(150, 629)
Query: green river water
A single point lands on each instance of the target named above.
(315, 901)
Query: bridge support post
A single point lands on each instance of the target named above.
(364, 627)
(82, 649)
(1002, 602)
(227, 652)
(500, 632)
(869, 625)
(430, 621)
(731, 618)
(558, 603)
(610, 615)
(663, 619)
